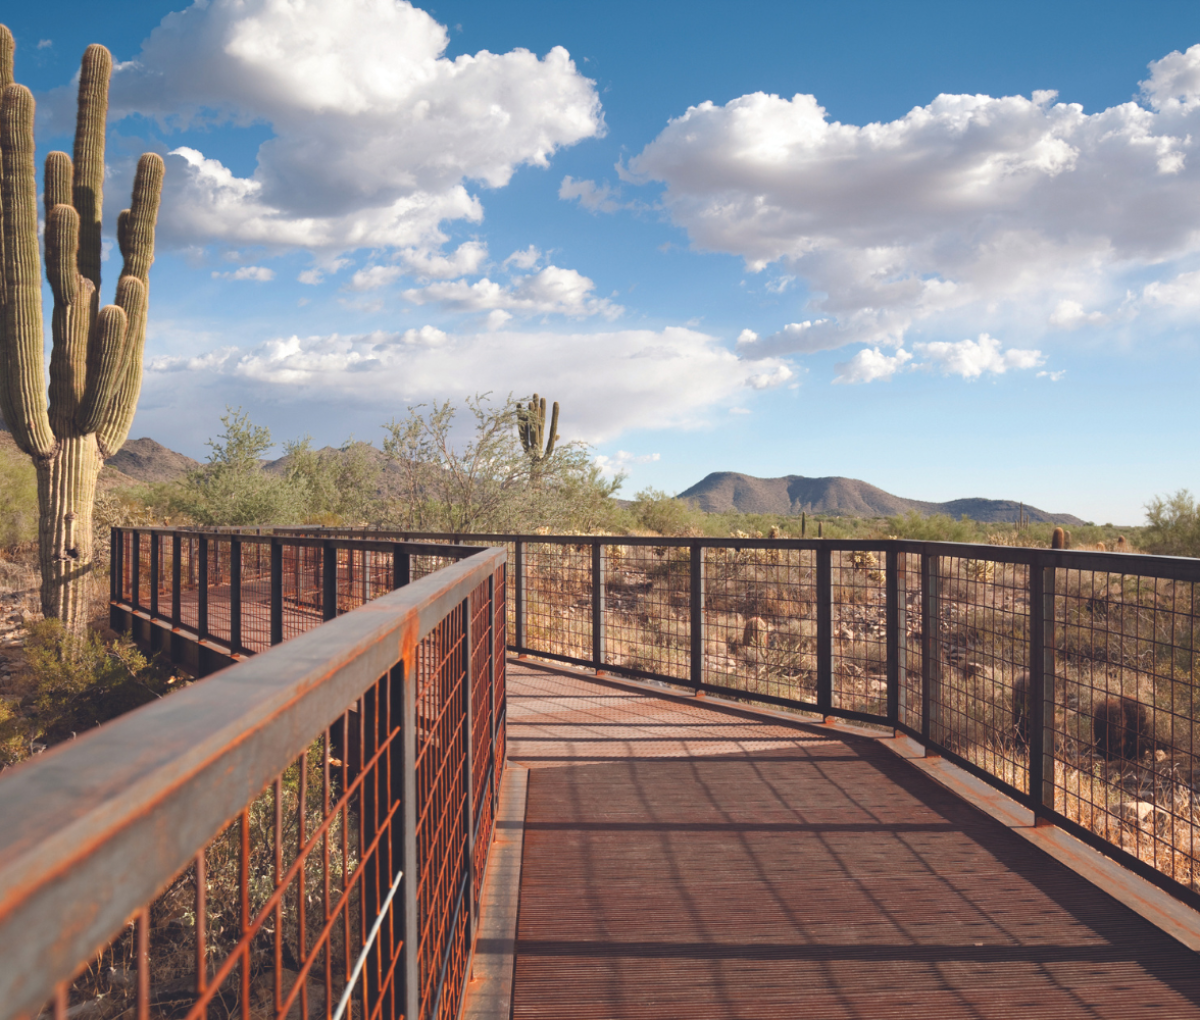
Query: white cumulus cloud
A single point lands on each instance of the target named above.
(607, 382)
(869, 365)
(972, 358)
(377, 136)
(592, 196)
(969, 205)
(259, 273)
(622, 461)
(1069, 314)
(551, 291)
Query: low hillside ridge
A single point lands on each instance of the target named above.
(725, 491)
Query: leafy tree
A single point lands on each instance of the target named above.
(479, 481)
(655, 511)
(232, 489)
(338, 486)
(1172, 525)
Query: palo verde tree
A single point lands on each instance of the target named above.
(96, 360)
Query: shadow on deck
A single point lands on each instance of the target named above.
(681, 860)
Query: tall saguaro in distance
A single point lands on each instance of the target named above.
(96, 359)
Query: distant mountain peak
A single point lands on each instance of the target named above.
(724, 491)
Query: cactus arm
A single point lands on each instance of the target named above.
(94, 73)
(106, 359)
(24, 365)
(7, 46)
(136, 236)
(56, 181)
(72, 318)
(553, 432)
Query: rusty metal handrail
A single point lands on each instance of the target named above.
(94, 829)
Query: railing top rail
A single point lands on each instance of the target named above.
(380, 545)
(1180, 568)
(127, 805)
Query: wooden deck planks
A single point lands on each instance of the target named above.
(682, 861)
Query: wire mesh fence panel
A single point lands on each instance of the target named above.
(760, 621)
(127, 566)
(558, 599)
(858, 615)
(442, 817)
(980, 705)
(363, 574)
(189, 582)
(1126, 693)
(479, 610)
(422, 565)
(646, 609)
(271, 917)
(499, 658)
(301, 577)
(256, 595)
(910, 593)
(218, 588)
(165, 558)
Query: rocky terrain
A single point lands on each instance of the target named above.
(723, 491)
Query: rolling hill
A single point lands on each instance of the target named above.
(723, 491)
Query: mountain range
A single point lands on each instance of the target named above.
(723, 491)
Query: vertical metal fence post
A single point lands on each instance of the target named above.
(598, 606)
(1041, 687)
(135, 571)
(276, 591)
(469, 769)
(491, 682)
(930, 671)
(409, 976)
(519, 606)
(176, 576)
(696, 617)
(401, 567)
(328, 580)
(235, 594)
(894, 627)
(202, 588)
(824, 629)
(154, 574)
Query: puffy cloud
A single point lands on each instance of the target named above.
(966, 358)
(1181, 292)
(593, 197)
(870, 364)
(972, 358)
(622, 461)
(553, 290)
(261, 274)
(1069, 314)
(376, 133)
(527, 258)
(969, 205)
(609, 382)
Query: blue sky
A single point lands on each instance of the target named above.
(951, 249)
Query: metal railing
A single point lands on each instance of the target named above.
(1069, 679)
(303, 834)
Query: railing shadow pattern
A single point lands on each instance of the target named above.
(303, 834)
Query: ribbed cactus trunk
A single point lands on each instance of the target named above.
(96, 360)
(531, 427)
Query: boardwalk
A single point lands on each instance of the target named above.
(681, 861)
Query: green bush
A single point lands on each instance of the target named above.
(654, 510)
(18, 499)
(77, 683)
(1172, 525)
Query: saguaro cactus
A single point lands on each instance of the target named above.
(96, 360)
(531, 427)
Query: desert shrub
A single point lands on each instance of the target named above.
(79, 682)
(654, 510)
(1172, 525)
(232, 489)
(18, 499)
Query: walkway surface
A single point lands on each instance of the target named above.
(681, 861)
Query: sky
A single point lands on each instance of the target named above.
(950, 249)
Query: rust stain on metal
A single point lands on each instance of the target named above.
(683, 861)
